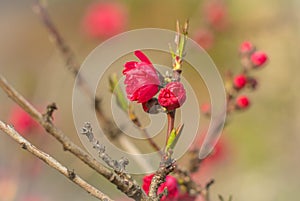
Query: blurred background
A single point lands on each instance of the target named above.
(259, 156)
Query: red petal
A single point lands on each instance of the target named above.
(139, 54)
(128, 66)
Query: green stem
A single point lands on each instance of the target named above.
(171, 120)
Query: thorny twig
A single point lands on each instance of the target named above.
(52, 162)
(124, 182)
(118, 166)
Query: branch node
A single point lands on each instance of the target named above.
(23, 145)
(71, 174)
(48, 116)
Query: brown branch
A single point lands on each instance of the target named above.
(167, 166)
(53, 163)
(124, 182)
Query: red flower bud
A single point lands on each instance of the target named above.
(239, 81)
(242, 102)
(246, 47)
(259, 58)
(172, 96)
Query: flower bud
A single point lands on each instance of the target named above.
(242, 102)
(239, 81)
(172, 96)
(246, 47)
(259, 58)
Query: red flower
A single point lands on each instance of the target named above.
(21, 121)
(242, 102)
(259, 58)
(205, 38)
(216, 14)
(172, 96)
(142, 81)
(104, 20)
(239, 81)
(246, 47)
(170, 183)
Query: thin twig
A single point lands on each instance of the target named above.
(124, 182)
(137, 122)
(53, 163)
(73, 66)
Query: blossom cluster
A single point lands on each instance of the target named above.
(251, 59)
(143, 83)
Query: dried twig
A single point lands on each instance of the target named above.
(124, 182)
(53, 163)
